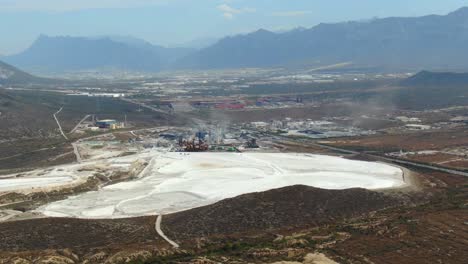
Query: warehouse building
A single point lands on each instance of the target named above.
(109, 124)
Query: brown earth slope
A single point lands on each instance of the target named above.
(286, 208)
(349, 226)
(295, 207)
(76, 234)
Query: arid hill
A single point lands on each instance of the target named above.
(286, 208)
(295, 207)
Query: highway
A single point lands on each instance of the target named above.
(145, 106)
(394, 160)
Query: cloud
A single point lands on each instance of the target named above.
(229, 12)
(73, 5)
(227, 9)
(228, 15)
(292, 13)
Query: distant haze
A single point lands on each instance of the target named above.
(188, 22)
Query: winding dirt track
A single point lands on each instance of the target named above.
(157, 226)
(77, 153)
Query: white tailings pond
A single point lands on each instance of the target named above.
(179, 181)
(43, 179)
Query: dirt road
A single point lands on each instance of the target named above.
(157, 226)
(79, 123)
(58, 123)
(77, 152)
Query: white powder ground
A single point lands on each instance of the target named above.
(180, 181)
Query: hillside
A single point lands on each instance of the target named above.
(10, 75)
(274, 210)
(285, 208)
(431, 90)
(427, 78)
(277, 225)
(430, 41)
(27, 123)
(60, 54)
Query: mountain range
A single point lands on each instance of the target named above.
(64, 53)
(422, 42)
(430, 42)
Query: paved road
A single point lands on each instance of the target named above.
(58, 123)
(145, 106)
(157, 226)
(404, 162)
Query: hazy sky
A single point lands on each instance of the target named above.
(170, 22)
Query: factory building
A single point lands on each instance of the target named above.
(417, 127)
(230, 106)
(109, 124)
(460, 119)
